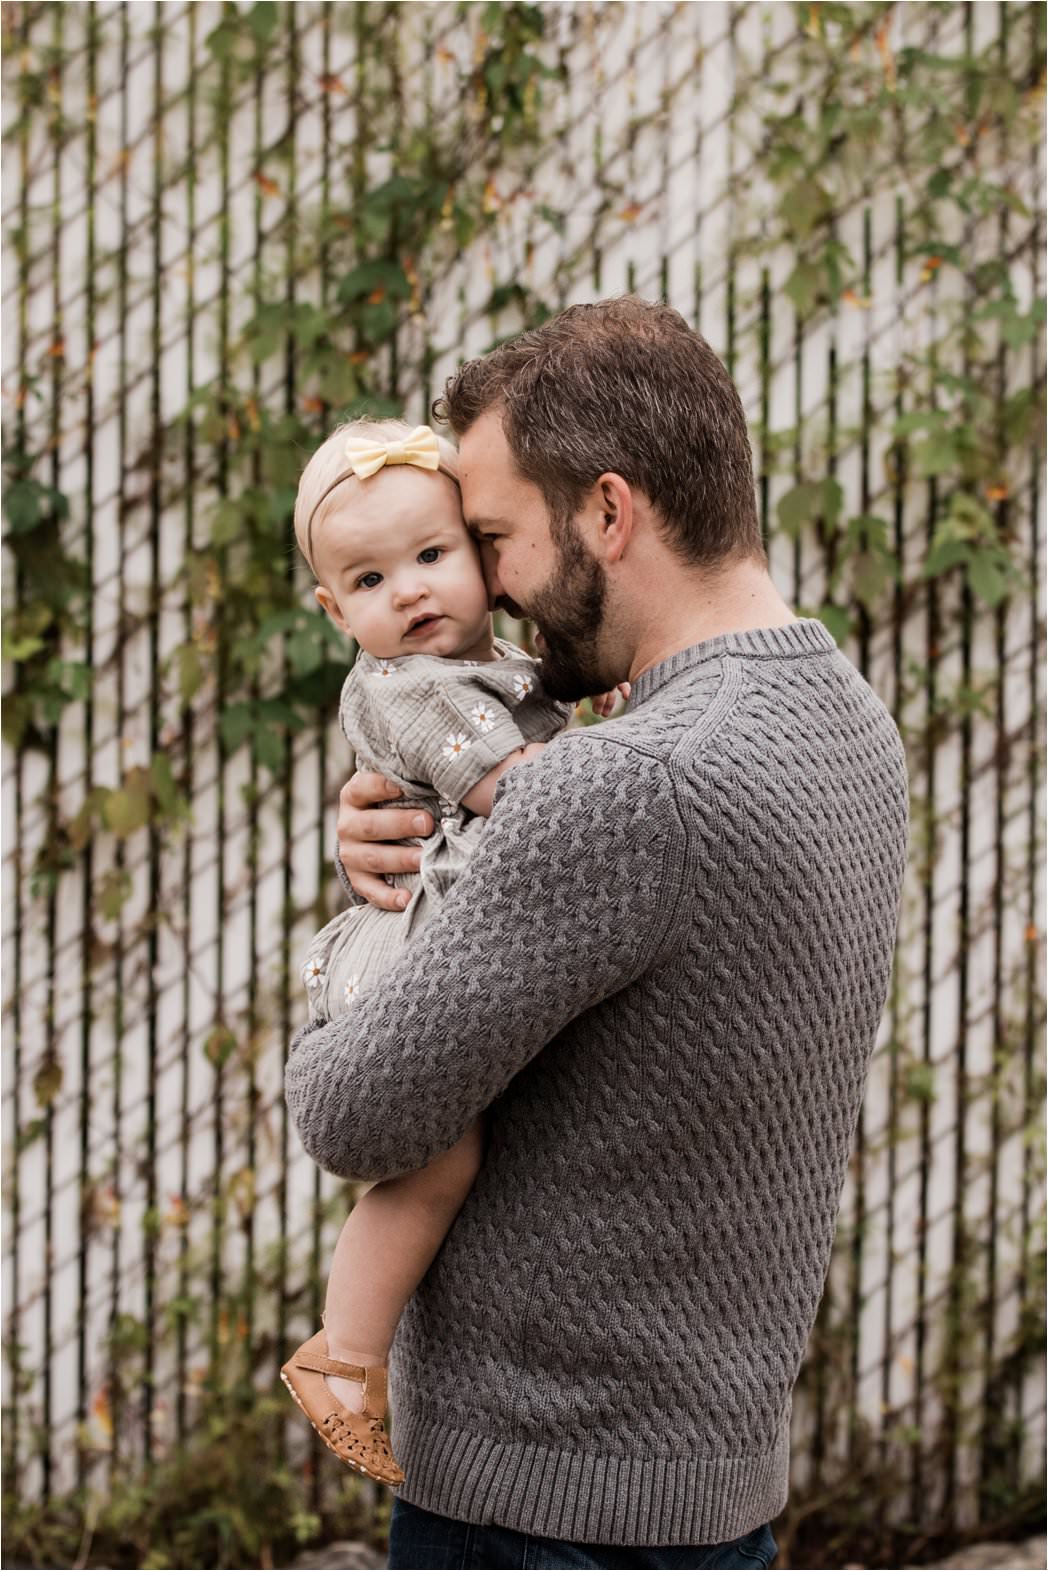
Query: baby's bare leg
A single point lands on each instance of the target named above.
(385, 1248)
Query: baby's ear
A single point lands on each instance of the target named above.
(327, 603)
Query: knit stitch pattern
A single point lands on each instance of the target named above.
(663, 972)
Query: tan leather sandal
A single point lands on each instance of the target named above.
(358, 1439)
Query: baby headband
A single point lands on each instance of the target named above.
(366, 457)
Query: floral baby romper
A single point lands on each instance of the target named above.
(436, 727)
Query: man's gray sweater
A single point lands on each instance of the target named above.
(663, 973)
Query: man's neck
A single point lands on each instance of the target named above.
(736, 599)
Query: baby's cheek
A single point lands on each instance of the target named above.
(469, 574)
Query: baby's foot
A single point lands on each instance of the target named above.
(357, 1438)
(349, 1392)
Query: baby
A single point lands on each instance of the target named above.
(442, 708)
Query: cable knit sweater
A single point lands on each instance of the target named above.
(663, 972)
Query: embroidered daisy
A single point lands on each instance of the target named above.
(312, 974)
(385, 669)
(522, 685)
(456, 745)
(352, 988)
(482, 717)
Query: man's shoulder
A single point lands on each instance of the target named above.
(600, 771)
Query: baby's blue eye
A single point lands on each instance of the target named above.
(362, 581)
(430, 555)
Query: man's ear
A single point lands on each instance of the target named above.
(327, 602)
(615, 504)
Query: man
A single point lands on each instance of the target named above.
(662, 973)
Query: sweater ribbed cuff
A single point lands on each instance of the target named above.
(585, 1498)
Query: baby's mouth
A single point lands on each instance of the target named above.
(422, 624)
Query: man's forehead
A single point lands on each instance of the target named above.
(486, 470)
(483, 447)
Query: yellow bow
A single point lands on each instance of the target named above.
(368, 457)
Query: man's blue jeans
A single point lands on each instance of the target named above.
(423, 1540)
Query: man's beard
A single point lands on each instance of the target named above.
(568, 611)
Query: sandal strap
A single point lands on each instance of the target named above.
(374, 1377)
(330, 1366)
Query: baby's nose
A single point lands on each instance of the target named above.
(407, 591)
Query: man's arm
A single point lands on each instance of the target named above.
(569, 898)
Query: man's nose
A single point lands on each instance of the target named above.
(489, 562)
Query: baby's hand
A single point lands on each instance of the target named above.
(604, 703)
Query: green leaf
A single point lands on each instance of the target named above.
(114, 891)
(969, 518)
(72, 678)
(17, 649)
(221, 41)
(871, 573)
(280, 505)
(938, 455)
(308, 324)
(1003, 98)
(22, 506)
(219, 1045)
(372, 276)
(47, 1082)
(263, 19)
(270, 746)
(226, 523)
(837, 620)
(832, 500)
(304, 652)
(986, 578)
(945, 554)
(1017, 330)
(127, 809)
(397, 191)
(799, 507)
(30, 1132)
(802, 286)
(920, 1082)
(190, 672)
(802, 207)
(236, 724)
(919, 420)
(378, 320)
(164, 786)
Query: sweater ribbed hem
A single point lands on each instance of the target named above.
(585, 1498)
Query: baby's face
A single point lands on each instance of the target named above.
(399, 571)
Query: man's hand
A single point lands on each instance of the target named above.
(361, 825)
(603, 703)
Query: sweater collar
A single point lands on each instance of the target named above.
(807, 636)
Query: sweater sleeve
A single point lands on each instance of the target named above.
(572, 896)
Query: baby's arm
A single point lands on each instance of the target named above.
(480, 798)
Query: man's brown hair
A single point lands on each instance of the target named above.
(625, 386)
